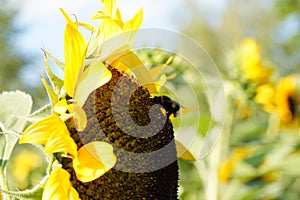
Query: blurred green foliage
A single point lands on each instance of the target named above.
(257, 159)
(11, 59)
(273, 23)
(14, 62)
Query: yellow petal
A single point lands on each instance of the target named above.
(108, 27)
(121, 67)
(101, 15)
(94, 159)
(79, 116)
(61, 142)
(109, 7)
(73, 194)
(156, 71)
(162, 80)
(58, 187)
(119, 18)
(87, 26)
(52, 133)
(112, 48)
(94, 76)
(40, 131)
(98, 15)
(61, 107)
(171, 76)
(132, 26)
(69, 20)
(137, 67)
(74, 52)
(135, 23)
(183, 152)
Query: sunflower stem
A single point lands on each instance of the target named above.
(225, 137)
(50, 164)
(4, 184)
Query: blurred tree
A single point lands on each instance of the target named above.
(267, 21)
(13, 62)
(11, 59)
(289, 12)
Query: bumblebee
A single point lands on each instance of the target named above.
(171, 107)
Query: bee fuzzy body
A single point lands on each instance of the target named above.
(171, 107)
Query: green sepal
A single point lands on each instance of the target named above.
(55, 81)
(39, 114)
(60, 64)
(53, 96)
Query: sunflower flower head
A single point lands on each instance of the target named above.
(281, 98)
(251, 63)
(265, 96)
(253, 77)
(227, 167)
(101, 130)
(287, 101)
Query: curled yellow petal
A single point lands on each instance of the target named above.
(40, 131)
(58, 187)
(61, 142)
(79, 116)
(94, 159)
(61, 107)
(52, 133)
(87, 26)
(94, 76)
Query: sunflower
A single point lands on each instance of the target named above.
(286, 101)
(252, 65)
(100, 131)
(281, 98)
(265, 96)
(227, 167)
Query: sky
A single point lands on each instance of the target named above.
(43, 25)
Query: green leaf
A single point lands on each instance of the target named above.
(39, 114)
(56, 82)
(14, 107)
(51, 93)
(60, 64)
(290, 165)
(30, 194)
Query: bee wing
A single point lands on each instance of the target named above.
(186, 110)
(183, 152)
